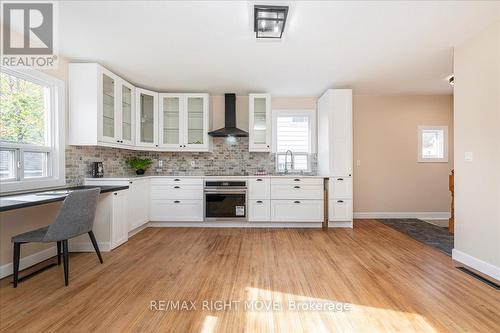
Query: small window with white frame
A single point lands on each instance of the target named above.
(432, 143)
(294, 130)
(31, 130)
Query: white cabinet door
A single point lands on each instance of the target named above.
(176, 191)
(171, 116)
(196, 123)
(259, 210)
(108, 110)
(177, 210)
(259, 122)
(297, 210)
(259, 188)
(146, 118)
(119, 227)
(138, 203)
(126, 114)
(340, 210)
(296, 191)
(341, 132)
(340, 188)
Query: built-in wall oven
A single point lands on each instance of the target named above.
(225, 200)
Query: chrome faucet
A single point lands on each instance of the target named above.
(291, 160)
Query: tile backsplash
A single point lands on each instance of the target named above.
(227, 158)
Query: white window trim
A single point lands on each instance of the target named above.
(56, 167)
(311, 113)
(420, 159)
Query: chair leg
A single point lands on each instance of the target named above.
(15, 262)
(66, 261)
(58, 253)
(96, 247)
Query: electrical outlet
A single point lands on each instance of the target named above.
(160, 163)
(193, 164)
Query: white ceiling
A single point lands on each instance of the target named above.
(373, 47)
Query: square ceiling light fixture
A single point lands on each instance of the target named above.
(269, 21)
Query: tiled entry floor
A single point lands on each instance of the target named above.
(432, 235)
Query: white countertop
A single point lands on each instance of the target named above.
(131, 177)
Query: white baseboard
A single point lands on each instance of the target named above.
(236, 224)
(346, 224)
(88, 247)
(33, 259)
(403, 215)
(138, 229)
(477, 264)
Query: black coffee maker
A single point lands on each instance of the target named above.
(97, 170)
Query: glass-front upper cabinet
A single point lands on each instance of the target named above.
(146, 118)
(171, 107)
(109, 112)
(259, 122)
(127, 113)
(196, 120)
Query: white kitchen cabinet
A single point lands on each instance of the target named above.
(259, 210)
(119, 227)
(259, 131)
(340, 188)
(340, 210)
(183, 122)
(146, 118)
(176, 210)
(297, 210)
(259, 188)
(137, 203)
(101, 107)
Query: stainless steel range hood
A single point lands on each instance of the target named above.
(230, 120)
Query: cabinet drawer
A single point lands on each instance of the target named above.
(340, 210)
(259, 210)
(297, 210)
(297, 191)
(192, 192)
(177, 181)
(259, 188)
(280, 180)
(340, 188)
(176, 210)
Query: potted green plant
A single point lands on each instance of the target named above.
(139, 164)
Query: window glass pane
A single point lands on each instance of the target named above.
(7, 164)
(300, 162)
(195, 120)
(35, 164)
(24, 107)
(432, 143)
(147, 118)
(292, 134)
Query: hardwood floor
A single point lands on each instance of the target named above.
(384, 280)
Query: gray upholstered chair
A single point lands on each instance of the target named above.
(76, 217)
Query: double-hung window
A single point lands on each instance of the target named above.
(31, 130)
(294, 130)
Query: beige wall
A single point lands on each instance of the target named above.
(477, 130)
(389, 178)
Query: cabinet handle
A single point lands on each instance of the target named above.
(258, 180)
(340, 178)
(180, 146)
(296, 187)
(177, 187)
(259, 201)
(296, 180)
(177, 201)
(130, 182)
(115, 193)
(177, 180)
(296, 201)
(156, 145)
(340, 201)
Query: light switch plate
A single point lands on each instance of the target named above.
(468, 156)
(193, 164)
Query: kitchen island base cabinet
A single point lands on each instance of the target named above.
(176, 210)
(259, 210)
(297, 210)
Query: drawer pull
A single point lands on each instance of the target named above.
(296, 187)
(130, 182)
(296, 180)
(177, 187)
(340, 201)
(177, 201)
(296, 201)
(259, 201)
(177, 180)
(340, 178)
(258, 179)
